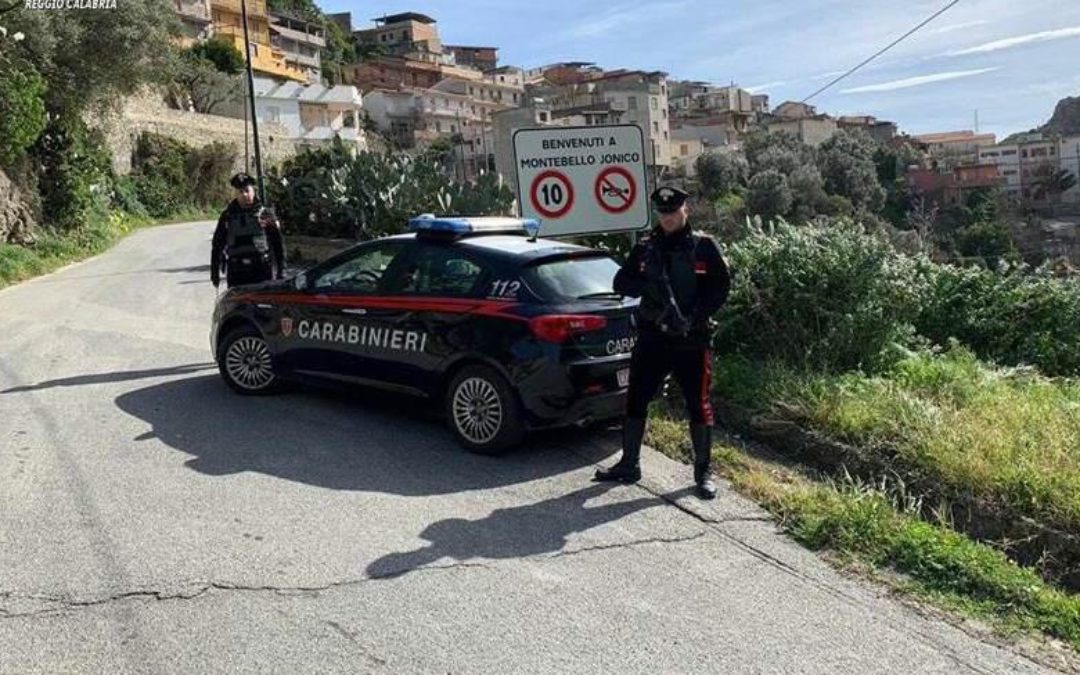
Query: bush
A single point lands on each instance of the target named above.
(75, 173)
(210, 168)
(171, 176)
(22, 109)
(160, 169)
(125, 196)
(831, 298)
(988, 240)
(1012, 316)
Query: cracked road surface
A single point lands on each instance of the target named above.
(153, 522)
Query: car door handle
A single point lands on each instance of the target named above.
(358, 310)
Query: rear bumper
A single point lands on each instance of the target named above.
(587, 410)
(574, 393)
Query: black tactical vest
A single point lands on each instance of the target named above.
(678, 256)
(246, 236)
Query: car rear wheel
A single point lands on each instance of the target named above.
(245, 363)
(483, 411)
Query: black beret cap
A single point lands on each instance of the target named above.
(669, 199)
(240, 180)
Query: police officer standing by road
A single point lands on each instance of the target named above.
(682, 280)
(247, 241)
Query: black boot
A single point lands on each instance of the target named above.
(628, 469)
(701, 435)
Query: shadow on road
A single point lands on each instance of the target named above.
(185, 270)
(518, 532)
(104, 378)
(365, 442)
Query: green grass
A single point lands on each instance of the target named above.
(1006, 436)
(53, 250)
(882, 528)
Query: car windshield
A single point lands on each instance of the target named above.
(573, 278)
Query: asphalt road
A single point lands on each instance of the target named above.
(152, 521)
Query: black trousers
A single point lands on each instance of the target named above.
(655, 356)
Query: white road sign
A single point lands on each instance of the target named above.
(582, 180)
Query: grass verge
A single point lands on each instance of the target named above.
(870, 526)
(53, 250)
(1006, 437)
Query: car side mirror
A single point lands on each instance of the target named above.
(300, 281)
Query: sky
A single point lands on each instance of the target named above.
(1009, 60)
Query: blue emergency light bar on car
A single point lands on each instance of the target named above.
(474, 225)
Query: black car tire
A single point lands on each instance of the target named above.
(483, 412)
(245, 363)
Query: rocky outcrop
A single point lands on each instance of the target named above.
(16, 219)
(1066, 119)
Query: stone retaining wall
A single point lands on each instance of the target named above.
(148, 112)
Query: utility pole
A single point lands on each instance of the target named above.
(247, 148)
(976, 120)
(251, 97)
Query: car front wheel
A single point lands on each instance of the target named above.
(483, 411)
(245, 363)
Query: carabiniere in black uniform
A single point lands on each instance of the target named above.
(682, 280)
(247, 240)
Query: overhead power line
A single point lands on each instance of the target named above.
(886, 48)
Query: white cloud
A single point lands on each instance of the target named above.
(756, 89)
(620, 16)
(1009, 43)
(960, 26)
(917, 81)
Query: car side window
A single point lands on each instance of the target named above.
(440, 271)
(361, 273)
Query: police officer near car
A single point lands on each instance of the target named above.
(248, 243)
(682, 280)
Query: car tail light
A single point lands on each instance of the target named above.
(561, 327)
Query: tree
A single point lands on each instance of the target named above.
(198, 83)
(846, 162)
(721, 173)
(807, 193)
(777, 158)
(990, 241)
(759, 143)
(1051, 182)
(22, 108)
(222, 53)
(768, 194)
(304, 10)
(93, 58)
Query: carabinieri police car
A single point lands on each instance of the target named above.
(507, 331)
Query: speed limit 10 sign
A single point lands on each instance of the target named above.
(582, 180)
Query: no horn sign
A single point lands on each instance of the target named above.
(582, 180)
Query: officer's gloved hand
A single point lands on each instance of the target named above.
(216, 281)
(674, 323)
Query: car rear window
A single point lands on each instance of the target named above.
(572, 278)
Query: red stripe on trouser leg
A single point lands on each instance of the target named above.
(706, 386)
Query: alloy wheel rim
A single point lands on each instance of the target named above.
(478, 410)
(248, 363)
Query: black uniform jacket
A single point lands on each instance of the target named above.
(698, 274)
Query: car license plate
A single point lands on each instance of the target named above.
(623, 376)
